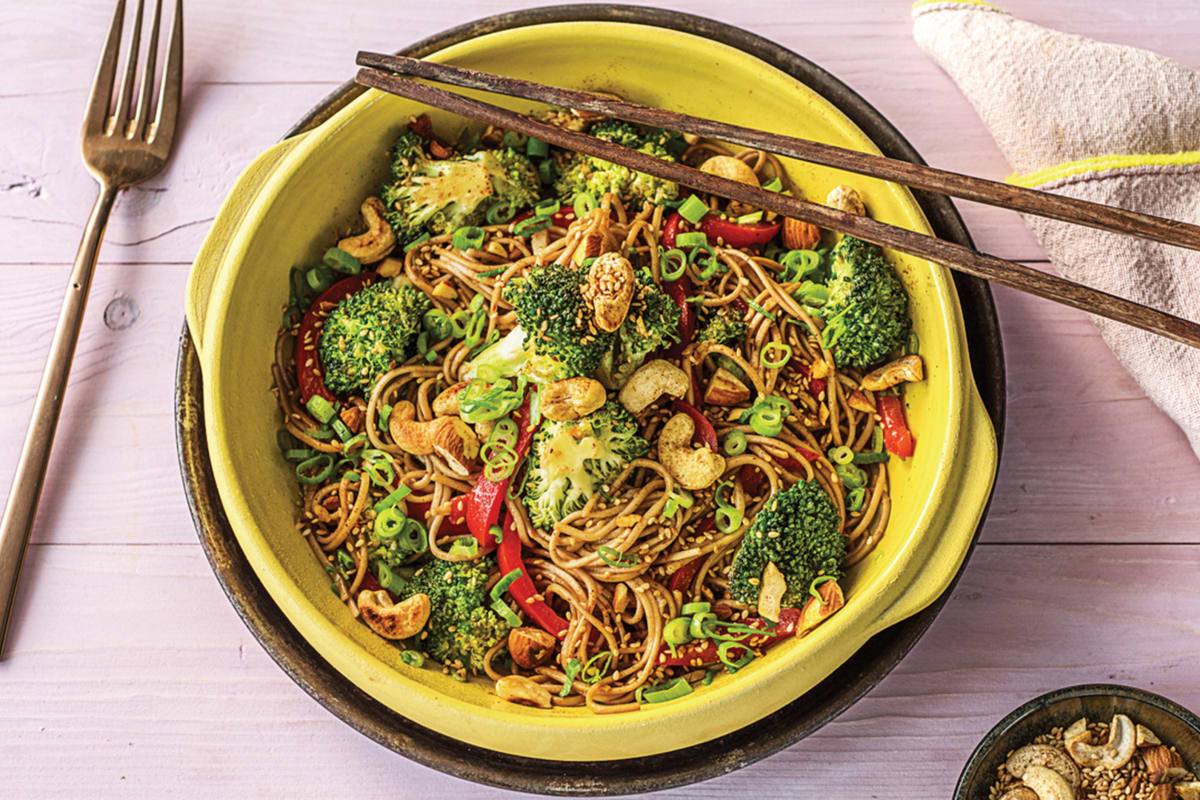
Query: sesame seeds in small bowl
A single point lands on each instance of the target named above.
(1090, 742)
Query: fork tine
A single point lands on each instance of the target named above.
(96, 118)
(172, 84)
(141, 115)
(120, 120)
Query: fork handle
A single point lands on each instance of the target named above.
(21, 507)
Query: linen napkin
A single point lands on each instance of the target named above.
(1100, 122)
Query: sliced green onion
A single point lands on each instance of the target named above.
(798, 264)
(298, 454)
(437, 322)
(513, 139)
(693, 209)
(531, 225)
(698, 621)
(500, 213)
(870, 458)
(546, 208)
(459, 322)
(339, 259)
(497, 533)
(320, 408)
(761, 310)
(585, 203)
(319, 278)
(773, 185)
(536, 148)
(413, 658)
(877, 440)
(352, 476)
(695, 608)
(392, 499)
(385, 414)
(547, 171)
(775, 361)
(851, 476)
(381, 469)
(676, 501)
(728, 519)
(855, 498)
(676, 631)
(317, 469)
(413, 539)
(914, 344)
(590, 673)
(712, 673)
(504, 432)
(345, 563)
(672, 263)
(840, 454)
(735, 443)
(615, 558)
(475, 329)
(813, 294)
(417, 242)
(506, 613)
(468, 237)
(353, 440)
(669, 691)
(816, 583)
(587, 262)
(341, 430)
(502, 585)
(767, 422)
(574, 667)
(389, 524)
(390, 580)
(464, 546)
(723, 655)
(746, 219)
(691, 239)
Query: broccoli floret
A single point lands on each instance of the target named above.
(581, 173)
(671, 141)
(866, 317)
(619, 132)
(439, 196)
(652, 323)
(723, 325)
(368, 333)
(461, 628)
(799, 530)
(570, 460)
(561, 338)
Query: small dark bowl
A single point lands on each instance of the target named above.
(1174, 724)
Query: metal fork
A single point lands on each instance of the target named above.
(119, 150)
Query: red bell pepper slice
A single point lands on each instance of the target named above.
(669, 229)
(682, 578)
(704, 651)
(522, 589)
(704, 429)
(749, 234)
(486, 499)
(308, 373)
(562, 218)
(896, 436)
(678, 290)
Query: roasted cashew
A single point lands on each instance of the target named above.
(378, 241)
(446, 403)
(530, 647)
(1043, 755)
(1113, 754)
(393, 620)
(905, 368)
(449, 437)
(572, 398)
(817, 611)
(693, 468)
(724, 389)
(519, 689)
(652, 380)
(609, 289)
(770, 593)
(730, 168)
(1047, 784)
(846, 198)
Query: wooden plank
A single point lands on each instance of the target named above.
(161, 683)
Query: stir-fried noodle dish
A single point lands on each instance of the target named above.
(581, 432)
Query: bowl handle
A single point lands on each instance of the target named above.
(212, 252)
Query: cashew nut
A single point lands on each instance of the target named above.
(572, 398)
(378, 241)
(1043, 755)
(1113, 754)
(817, 611)
(519, 689)
(1019, 793)
(846, 198)
(652, 380)
(393, 620)
(724, 389)
(446, 403)
(906, 368)
(1047, 783)
(692, 468)
(731, 168)
(609, 289)
(449, 437)
(770, 594)
(530, 647)
(1189, 790)
(1146, 737)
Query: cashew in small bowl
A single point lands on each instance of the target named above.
(378, 241)
(449, 437)
(572, 398)
(652, 380)
(1019, 793)
(1047, 784)
(1113, 754)
(1043, 755)
(693, 467)
(905, 368)
(519, 689)
(530, 647)
(846, 198)
(730, 168)
(393, 620)
(609, 289)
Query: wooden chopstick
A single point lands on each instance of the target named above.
(918, 176)
(952, 255)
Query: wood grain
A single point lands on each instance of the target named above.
(152, 684)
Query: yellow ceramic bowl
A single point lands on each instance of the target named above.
(303, 193)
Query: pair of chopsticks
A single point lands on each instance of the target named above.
(386, 72)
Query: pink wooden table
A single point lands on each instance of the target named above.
(130, 672)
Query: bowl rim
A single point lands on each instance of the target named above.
(983, 750)
(610, 776)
